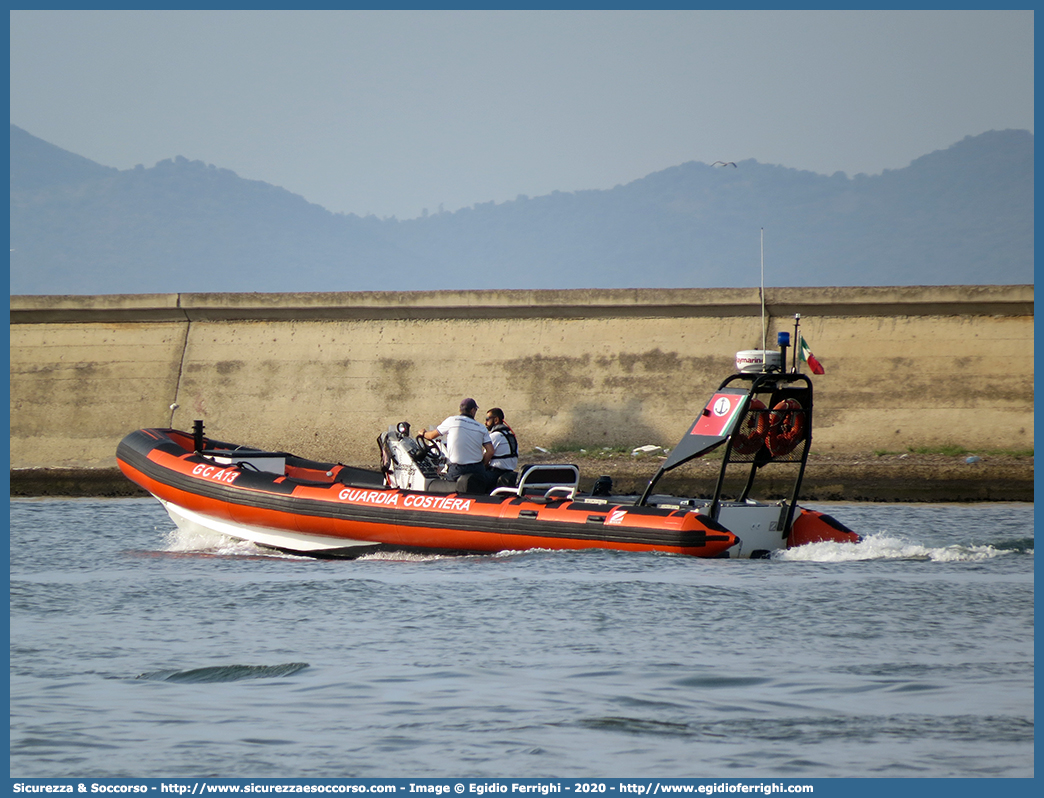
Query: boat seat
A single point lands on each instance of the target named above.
(474, 484)
(465, 485)
(440, 486)
(544, 479)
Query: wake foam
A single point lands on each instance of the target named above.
(402, 556)
(205, 541)
(886, 547)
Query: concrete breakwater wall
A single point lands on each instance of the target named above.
(321, 375)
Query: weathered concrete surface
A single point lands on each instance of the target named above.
(74, 386)
(322, 374)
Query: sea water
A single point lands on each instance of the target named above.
(137, 651)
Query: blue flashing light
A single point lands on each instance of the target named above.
(783, 338)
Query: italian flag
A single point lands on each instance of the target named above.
(807, 357)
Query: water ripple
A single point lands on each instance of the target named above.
(225, 673)
(910, 654)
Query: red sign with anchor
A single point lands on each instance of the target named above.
(717, 417)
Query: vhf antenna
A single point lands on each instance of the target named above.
(764, 327)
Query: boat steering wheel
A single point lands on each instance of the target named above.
(429, 447)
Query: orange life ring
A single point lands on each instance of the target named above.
(786, 427)
(751, 433)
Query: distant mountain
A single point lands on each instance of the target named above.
(40, 165)
(963, 215)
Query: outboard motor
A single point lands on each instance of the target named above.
(405, 463)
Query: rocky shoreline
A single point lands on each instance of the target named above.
(829, 477)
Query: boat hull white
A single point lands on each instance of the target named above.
(281, 539)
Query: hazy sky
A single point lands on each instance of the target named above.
(394, 112)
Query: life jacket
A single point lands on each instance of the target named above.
(506, 431)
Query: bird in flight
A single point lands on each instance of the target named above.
(723, 163)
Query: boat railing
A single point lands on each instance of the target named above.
(546, 480)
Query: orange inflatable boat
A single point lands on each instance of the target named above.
(759, 421)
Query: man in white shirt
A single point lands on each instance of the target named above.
(505, 445)
(468, 445)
